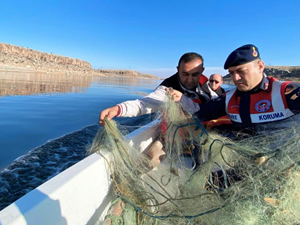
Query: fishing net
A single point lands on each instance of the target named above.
(204, 177)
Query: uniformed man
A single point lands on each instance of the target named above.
(256, 99)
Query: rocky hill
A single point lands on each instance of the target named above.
(16, 58)
(281, 72)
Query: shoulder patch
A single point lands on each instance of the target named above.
(291, 87)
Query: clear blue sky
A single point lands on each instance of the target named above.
(151, 35)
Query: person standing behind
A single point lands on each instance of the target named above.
(213, 86)
(188, 80)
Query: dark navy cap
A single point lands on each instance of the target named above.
(242, 55)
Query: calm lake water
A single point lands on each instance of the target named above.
(47, 123)
(35, 108)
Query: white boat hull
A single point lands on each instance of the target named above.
(82, 194)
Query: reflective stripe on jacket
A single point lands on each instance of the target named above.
(265, 106)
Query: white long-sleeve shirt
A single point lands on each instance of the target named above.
(145, 105)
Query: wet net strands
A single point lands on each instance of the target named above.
(205, 178)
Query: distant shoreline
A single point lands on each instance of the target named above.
(91, 72)
(19, 59)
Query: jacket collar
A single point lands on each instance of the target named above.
(265, 84)
(194, 94)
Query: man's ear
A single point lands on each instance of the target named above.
(177, 67)
(261, 66)
(203, 69)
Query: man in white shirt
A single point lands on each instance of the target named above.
(188, 80)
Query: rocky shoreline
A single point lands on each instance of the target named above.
(19, 59)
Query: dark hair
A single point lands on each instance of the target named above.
(190, 56)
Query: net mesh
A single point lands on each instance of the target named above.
(204, 178)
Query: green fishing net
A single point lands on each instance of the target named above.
(205, 177)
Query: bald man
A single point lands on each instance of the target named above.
(213, 86)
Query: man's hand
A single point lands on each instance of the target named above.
(109, 113)
(176, 95)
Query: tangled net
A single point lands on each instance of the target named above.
(205, 178)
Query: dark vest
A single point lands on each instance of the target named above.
(173, 82)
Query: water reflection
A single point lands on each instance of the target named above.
(14, 83)
(39, 83)
(123, 81)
